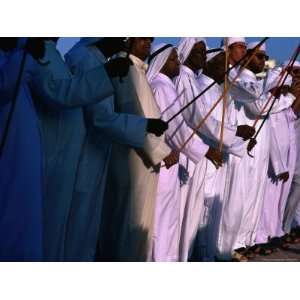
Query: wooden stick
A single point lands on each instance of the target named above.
(225, 95)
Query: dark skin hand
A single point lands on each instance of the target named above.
(118, 67)
(245, 132)
(215, 156)
(171, 159)
(283, 177)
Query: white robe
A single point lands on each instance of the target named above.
(249, 180)
(218, 212)
(168, 202)
(195, 217)
(282, 159)
(292, 210)
(133, 176)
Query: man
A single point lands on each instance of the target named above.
(280, 172)
(20, 163)
(163, 67)
(192, 52)
(237, 49)
(291, 214)
(252, 167)
(129, 215)
(104, 126)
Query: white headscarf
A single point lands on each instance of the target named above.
(252, 45)
(158, 60)
(233, 40)
(186, 45)
(213, 54)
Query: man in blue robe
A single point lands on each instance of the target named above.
(20, 166)
(104, 127)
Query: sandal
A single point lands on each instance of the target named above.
(238, 257)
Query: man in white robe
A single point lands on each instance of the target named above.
(249, 181)
(291, 214)
(192, 54)
(280, 173)
(164, 66)
(128, 219)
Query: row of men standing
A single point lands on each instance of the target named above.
(94, 179)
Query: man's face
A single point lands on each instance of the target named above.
(257, 63)
(216, 67)
(236, 52)
(197, 57)
(141, 47)
(172, 66)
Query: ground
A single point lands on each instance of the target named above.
(291, 254)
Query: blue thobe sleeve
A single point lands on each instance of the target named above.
(125, 129)
(57, 86)
(121, 128)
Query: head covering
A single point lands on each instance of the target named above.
(159, 55)
(186, 45)
(211, 53)
(233, 40)
(252, 45)
(296, 64)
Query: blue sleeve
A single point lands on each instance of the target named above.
(119, 128)
(56, 86)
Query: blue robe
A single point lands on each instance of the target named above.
(104, 126)
(20, 169)
(58, 97)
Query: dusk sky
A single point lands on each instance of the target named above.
(279, 48)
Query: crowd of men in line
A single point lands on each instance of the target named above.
(190, 157)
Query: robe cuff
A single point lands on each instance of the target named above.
(195, 149)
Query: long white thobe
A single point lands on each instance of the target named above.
(195, 218)
(282, 159)
(133, 176)
(292, 210)
(168, 203)
(218, 210)
(249, 180)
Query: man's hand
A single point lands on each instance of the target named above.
(277, 91)
(171, 159)
(156, 126)
(35, 47)
(245, 132)
(215, 156)
(295, 88)
(118, 67)
(283, 177)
